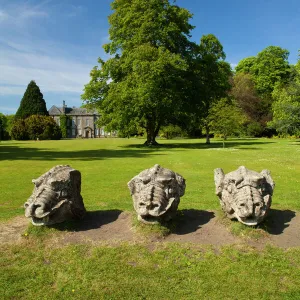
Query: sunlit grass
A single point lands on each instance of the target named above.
(107, 165)
(169, 271)
(39, 269)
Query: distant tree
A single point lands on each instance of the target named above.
(286, 110)
(144, 83)
(269, 67)
(225, 118)
(5, 126)
(286, 106)
(32, 103)
(1, 127)
(212, 77)
(10, 119)
(247, 99)
(245, 65)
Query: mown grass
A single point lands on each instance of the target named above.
(107, 165)
(38, 269)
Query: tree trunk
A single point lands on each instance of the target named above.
(207, 134)
(151, 135)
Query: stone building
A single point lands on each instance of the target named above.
(80, 123)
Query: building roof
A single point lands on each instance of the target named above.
(71, 111)
(53, 111)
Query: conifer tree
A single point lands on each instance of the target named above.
(32, 102)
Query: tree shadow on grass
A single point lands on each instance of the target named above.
(24, 153)
(277, 221)
(190, 220)
(230, 144)
(91, 220)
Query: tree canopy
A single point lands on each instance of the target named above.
(145, 82)
(269, 67)
(286, 106)
(213, 76)
(32, 102)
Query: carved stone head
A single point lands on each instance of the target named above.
(244, 194)
(55, 197)
(156, 194)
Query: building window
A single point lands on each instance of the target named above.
(73, 122)
(87, 122)
(73, 132)
(58, 121)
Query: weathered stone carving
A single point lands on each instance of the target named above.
(156, 194)
(244, 194)
(56, 197)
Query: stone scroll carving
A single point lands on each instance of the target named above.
(55, 197)
(156, 194)
(244, 195)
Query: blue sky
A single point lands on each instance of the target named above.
(57, 42)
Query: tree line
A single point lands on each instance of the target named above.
(157, 79)
(31, 121)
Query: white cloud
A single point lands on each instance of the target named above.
(58, 67)
(75, 11)
(21, 14)
(51, 73)
(3, 16)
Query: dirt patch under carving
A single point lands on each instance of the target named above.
(196, 227)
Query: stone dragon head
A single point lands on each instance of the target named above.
(55, 197)
(156, 194)
(244, 194)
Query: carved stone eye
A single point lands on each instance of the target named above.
(164, 180)
(146, 180)
(142, 204)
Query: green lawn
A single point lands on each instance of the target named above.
(107, 165)
(35, 269)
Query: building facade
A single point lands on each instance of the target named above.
(80, 122)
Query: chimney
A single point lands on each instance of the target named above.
(64, 107)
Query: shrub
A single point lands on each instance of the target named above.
(171, 131)
(19, 131)
(42, 127)
(36, 126)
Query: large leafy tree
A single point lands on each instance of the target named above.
(32, 102)
(213, 77)
(145, 82)
(286, 106)
(266, 70)
(269, 67)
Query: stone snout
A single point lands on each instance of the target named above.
(156, 194)
(55, 197)
(244, 195)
